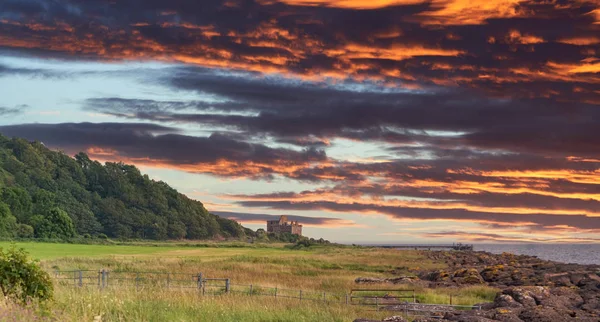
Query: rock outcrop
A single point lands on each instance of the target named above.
(532, 290)
(507, 270)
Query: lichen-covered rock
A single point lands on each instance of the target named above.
(529, 295)
(469, 276)
(505, 300)
(439, 276)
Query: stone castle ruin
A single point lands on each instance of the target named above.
(284, 226)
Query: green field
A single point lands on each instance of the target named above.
(321, 269)
(45, 251)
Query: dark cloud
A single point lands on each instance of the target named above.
(6, 111)
(162, 146)
(309, 114)
(495, 49)
(313, 221)
(538, 220)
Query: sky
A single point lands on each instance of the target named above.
(379, 121)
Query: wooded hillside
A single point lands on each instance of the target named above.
(47, 194)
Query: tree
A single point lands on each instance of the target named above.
(8, 222)
(18, 200)
(21, 278)
(54, 223)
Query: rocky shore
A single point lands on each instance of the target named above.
(532, 290)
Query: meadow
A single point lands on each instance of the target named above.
(320, 269)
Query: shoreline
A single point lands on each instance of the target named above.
(530, 288)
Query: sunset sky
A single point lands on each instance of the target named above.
(370, 121)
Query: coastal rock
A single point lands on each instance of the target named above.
(528, 296)
(532, 290)
(532, 304)
(394, 318)
(467, 276)
(393, 280)
(505, 300)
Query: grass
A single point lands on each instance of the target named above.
(45, 251)
(320, 269)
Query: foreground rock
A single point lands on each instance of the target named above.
(536, 304)
(530, 304)
(531, 289)
(506, 270)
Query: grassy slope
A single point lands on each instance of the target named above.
(322, 269)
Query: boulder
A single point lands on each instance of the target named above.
(469, 276)
(505, 300)
(528, 295)
(544, 314)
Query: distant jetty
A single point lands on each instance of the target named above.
(458, 246)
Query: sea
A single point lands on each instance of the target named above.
(564, 253)
(585, 254)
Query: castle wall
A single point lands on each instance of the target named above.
(282, 226)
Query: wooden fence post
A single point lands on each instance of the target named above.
(200, 285)
(346, 298)
(227, 286)
(137, 278)
(250, 289)
(168, 280)
(324, 298)
(99, 279)
(276, 292)
(103, 273)
(80, 279)
(300, 295)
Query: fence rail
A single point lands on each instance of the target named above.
(379, 298)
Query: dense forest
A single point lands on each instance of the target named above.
(47, 194)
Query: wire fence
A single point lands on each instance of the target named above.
(390, 299)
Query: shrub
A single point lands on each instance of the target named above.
(54, 223)
(102, 236)
(24, 231)
(21, 278)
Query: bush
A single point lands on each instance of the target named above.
(24, 231)
(54, 223)
(21, 278)
(102, 236)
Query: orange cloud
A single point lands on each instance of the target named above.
(515, 36)
(350, 4)
(444, 12)
(589, 177)
(382, 201)
(580, 41)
